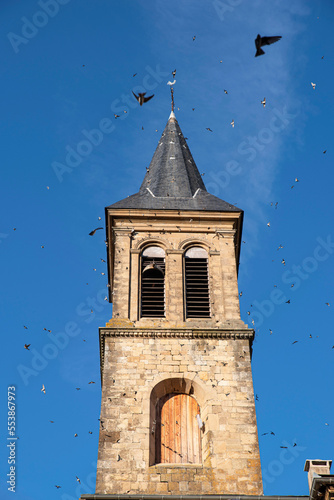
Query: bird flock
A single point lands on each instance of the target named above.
(141, 98)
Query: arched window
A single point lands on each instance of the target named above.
(178, 434)
(153, 282)
(197, 297)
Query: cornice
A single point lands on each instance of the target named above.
(171, 333)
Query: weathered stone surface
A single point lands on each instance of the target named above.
(142, 359)
(230, 453)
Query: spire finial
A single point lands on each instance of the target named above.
(172, 91)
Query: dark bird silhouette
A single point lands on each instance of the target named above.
(295, 342)
(57, 486)
(26, 346)
(174, 73)
(140, 97)
(260, 41)
(209, 129)
(284, 447)
(94, 231)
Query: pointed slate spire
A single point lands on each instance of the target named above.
(172, 180)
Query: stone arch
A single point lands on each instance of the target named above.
(175, 384)
(149, 241)
(189, 242)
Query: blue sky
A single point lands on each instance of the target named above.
(64, 74)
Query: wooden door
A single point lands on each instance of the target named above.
(178, 437)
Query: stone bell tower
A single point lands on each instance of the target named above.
(178, 413)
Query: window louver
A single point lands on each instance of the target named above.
(153, 287)
(197, 288)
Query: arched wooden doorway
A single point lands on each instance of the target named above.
(178, 436)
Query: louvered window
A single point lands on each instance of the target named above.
(178, 436)
(197, 283)
(153, 283)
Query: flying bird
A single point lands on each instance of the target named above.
(116, 116)
(141, 97)
(171, 83)
(75, 435)
(94, 231)
(26, 346)
(57, 486)
(232, 123)
(225, 91)
(194, 38)
(174, 73)
(313, 85)
(295, 342)
(43, 389)
(260, 41)
(263, 102)
(78, 479)
(209, 129)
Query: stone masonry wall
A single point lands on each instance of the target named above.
(140, 366)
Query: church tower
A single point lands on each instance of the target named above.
(177, 411)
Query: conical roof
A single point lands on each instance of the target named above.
(172, 180)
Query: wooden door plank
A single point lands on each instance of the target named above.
(184, 446)
(177, 427)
